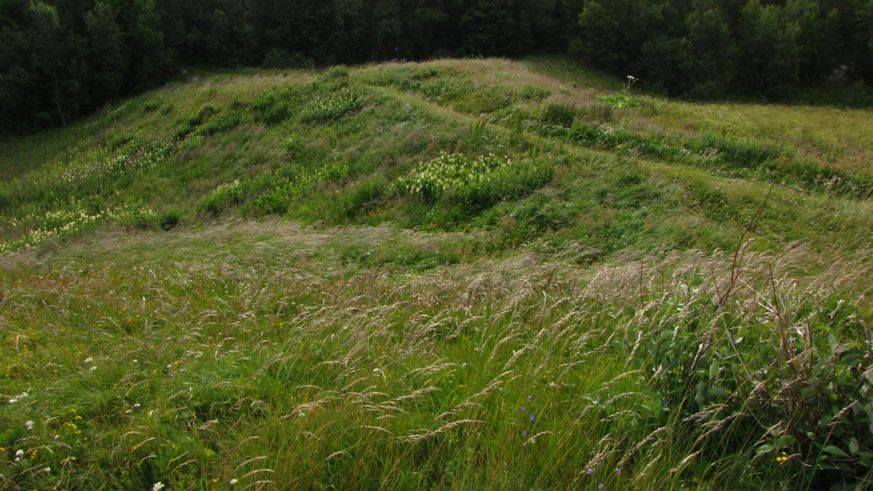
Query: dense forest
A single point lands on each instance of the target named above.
(60, 59)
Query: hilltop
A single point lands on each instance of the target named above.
(455, 273)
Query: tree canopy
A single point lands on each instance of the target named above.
(60, 59)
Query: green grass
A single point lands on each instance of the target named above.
(454, 274)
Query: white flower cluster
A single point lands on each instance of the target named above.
(330, 107)
(93, 167)
(56, 224)
(450, 171)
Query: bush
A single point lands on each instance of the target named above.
(222, 197)
(736, 152)
(621, 101)
(559, 115)
(272, 107)
(273, 203)
(170, 219)
(534, 93)
(473, 183)
(363, 197)
(801, 395)
(331, 107)
(205, 112)
(224, 122)
(484, 100)
(139, 218)
(200, 117)
(598, 112)
(151, 105)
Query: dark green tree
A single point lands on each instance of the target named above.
(768, 46)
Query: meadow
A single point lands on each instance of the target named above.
(456, 274)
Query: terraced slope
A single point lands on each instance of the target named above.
(460, 273)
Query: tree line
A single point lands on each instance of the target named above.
(60, 59)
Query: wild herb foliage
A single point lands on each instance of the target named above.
(330, 107)
(559, 115)
(451, 173)
(223, 196)
(802, 394)
(621, 101)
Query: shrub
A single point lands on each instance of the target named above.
(599, 112)
(222, 197)
(140, 218)
(273, 203)
(736, 152)
(170, 219)
(475, 183)
(205, 112)
(559, 115)
(484, 100)
(271, 107)
(151, 105)
(798, 393)
(224, 122)
(191, 124)
(337, 72)
(534, 93)
(621, 101)
(331, 107)
(363, 197)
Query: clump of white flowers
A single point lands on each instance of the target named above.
(332, 106)
(58, 224)
(448, 172)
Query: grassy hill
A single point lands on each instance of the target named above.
(453, 274)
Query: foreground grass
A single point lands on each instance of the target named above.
(458, 274)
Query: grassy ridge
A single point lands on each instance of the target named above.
(452, 274)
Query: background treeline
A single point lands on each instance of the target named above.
(62, 58)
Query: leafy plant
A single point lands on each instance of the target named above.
(559, 115)
(621, 101)
(331, 107)
(223, 196)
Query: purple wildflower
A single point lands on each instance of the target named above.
(533, 418)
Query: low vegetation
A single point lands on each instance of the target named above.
(466, 274)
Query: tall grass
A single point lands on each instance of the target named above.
(507, 373)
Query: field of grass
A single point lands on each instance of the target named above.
(454, 274)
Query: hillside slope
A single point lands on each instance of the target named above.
(459, 273)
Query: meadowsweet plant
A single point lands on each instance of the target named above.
(224, 195)
(450, 172)
(330, 107)
(462, 185)
(624, 100)
(89, 172)
(69, 222)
